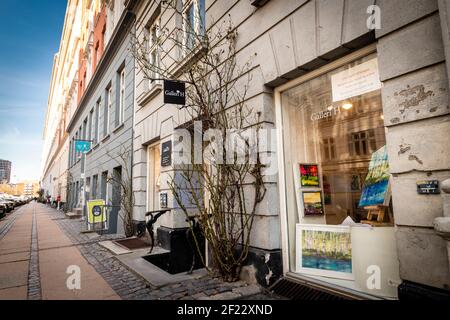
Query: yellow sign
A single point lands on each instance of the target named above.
(96, 211)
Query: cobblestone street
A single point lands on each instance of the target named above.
(38, 244)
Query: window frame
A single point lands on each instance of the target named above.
(199, 27)
(153, 47)
(91, 124)
(98, 107)
(121, 96)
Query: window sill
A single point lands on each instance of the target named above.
(148, 95)
(96, 146)
(120, 126)
(105, 138)
(189, 59)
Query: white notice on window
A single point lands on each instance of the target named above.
(356, 81)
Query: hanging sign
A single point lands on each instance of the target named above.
(356, 81)
(174, 92)
(166, 154)
(82, 146)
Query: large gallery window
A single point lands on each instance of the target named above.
(337, 179)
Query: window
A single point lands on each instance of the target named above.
(153, 49)
(98, 107)
(120, 105)
(85, 129)
(77, 192)
(89, 130)
(91, 125)
(189, 29)
(70, 152)
(337, 169)
(193, 21)
(329, 149)
(88, 189)
(362, 143)
(104, 186)
(107, 110)
(76, 154)
(94, 186)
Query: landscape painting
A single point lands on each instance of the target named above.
(313, 204)
(376, 186)
(325, 251)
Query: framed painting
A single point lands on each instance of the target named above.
(324, 250)
(309, 175)
(312, 203)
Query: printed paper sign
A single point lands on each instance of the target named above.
(356, 81)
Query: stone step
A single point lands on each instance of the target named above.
(76, 213)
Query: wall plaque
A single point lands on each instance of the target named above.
(166, 154)
(163, 200)
(428, 187)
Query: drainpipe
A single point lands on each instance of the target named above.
(442, 224)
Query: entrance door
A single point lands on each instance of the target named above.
(154, 181)
(116, 197)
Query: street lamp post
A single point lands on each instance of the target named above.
(83, 146)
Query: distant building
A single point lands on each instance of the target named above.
(5, 171)
(24, 188)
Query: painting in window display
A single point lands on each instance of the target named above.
(325, 250)
(341, 133)
(337, 136)
(312, 202)
(376, 186)
(309, 175)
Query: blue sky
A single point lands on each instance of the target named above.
(30, 31)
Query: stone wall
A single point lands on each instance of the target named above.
(417, 116)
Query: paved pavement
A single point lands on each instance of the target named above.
(38, 245)
(35, 255)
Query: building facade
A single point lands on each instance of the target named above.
(104, 115)
(355, 95)
(5, 171)
(339, 90)
(61, 105)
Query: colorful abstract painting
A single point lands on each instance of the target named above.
(309, 175)
(376, 186)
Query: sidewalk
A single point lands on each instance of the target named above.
(15, 248)
(53, 253)
(38, 248)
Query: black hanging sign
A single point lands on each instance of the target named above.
(166, 154)
(174, 92)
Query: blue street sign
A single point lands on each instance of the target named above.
(82, 146)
